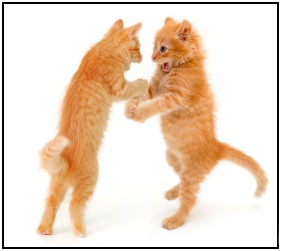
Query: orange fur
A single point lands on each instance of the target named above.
(71, 157)
(179, 91)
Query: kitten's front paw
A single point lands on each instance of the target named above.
(130, 108)
(133, 112)
(139, 115)
(172, 223)
(142, 86)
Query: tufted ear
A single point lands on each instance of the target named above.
(169, 20)
(133, 31)
(118, 25)
(184, 30)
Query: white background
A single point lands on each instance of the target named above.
(43, 48)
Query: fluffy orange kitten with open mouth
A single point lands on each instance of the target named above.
(180, 92)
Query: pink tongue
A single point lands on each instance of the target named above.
(165, 66)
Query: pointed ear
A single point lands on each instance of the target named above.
(184, 30)
(133, 31)
(118, 25)
(169, 20)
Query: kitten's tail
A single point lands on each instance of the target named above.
(51, 159)
(241, 159)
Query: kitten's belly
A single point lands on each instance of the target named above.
(182, 132)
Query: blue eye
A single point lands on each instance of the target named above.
(163, 49)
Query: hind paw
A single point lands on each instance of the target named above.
(45, 229)
(172, 193)
(172, 223)
(79, 230)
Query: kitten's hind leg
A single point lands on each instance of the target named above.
(57, 191)
(188, 189)
(82, 191)
(174, 162)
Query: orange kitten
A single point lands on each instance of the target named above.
(71, 157)
(179, 91)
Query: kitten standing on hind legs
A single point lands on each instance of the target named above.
(179, 91)
(71, 157)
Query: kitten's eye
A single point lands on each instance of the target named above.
(163, 49)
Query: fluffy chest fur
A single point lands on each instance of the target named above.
(192, 122)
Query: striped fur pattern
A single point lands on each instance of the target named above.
(179, 91)
(71, 157)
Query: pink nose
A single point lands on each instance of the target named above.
(153, 57)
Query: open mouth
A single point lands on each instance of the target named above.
(165, 67)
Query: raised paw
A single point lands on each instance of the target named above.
(172, 223)
(172, 194)
(130, 108)
(139, 114)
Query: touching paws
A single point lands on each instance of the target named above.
(139, 115)
(130, 108)
(133, 111)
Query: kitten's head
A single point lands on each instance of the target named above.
(125, 41)
(175, 43)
